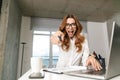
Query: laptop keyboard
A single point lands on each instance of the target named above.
(92, 72)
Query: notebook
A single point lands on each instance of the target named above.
(113, 66)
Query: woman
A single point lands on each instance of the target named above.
(74, 49)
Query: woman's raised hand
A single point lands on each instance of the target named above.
(57, 37)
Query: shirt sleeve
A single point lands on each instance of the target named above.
(85, 52)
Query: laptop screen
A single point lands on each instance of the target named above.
(114, 64)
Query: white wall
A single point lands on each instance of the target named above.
(98, 38)
(46, 24)
(27, 37)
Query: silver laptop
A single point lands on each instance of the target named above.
(113, 66)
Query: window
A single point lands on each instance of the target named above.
(42, 47)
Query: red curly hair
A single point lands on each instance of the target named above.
(79, 38)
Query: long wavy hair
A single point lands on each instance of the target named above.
(79, 39)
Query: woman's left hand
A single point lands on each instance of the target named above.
(94, 63)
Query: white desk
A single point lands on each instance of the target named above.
(52, 76)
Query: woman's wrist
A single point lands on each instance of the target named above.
(94, 55)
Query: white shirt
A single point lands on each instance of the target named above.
(72, 57)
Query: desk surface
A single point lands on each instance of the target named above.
(52, 76)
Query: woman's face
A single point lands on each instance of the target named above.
(70, 27)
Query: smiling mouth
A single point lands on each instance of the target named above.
(70, 32)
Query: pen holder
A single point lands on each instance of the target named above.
(102, 61)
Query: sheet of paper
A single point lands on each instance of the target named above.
(61, 70)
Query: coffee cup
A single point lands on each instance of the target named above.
(36, 64)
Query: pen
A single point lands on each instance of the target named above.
(102, 61)
(60, 38)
